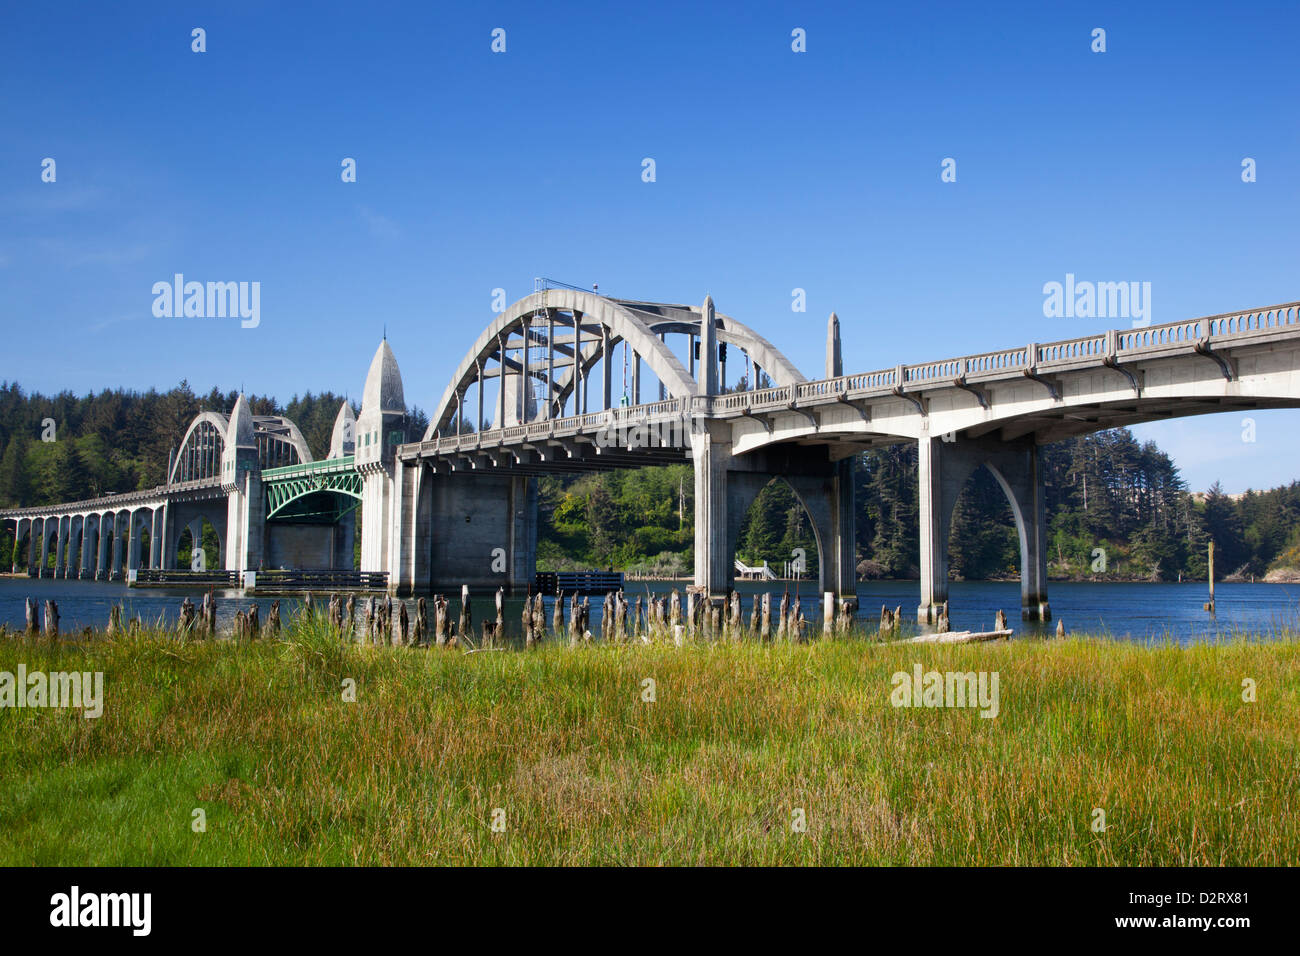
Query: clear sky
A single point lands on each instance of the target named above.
(775, 170)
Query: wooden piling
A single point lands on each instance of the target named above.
(33, 616)
(51, 619)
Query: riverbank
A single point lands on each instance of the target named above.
(738, 745)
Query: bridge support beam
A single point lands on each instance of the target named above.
(711, 454)
(105, 544)
(943, 468)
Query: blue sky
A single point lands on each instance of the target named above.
(775, 170)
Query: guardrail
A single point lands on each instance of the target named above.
(984, 366)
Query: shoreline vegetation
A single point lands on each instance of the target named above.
(308, 749)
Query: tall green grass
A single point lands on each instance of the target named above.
(259, 737)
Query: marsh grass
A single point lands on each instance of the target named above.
(258, 735)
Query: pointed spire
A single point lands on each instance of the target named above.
(834, 358)
(706, 377)
(239, 430)
(343, 441)
(383, 391)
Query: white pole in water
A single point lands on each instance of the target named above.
(1210, 606)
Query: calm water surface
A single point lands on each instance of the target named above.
(1141, 612)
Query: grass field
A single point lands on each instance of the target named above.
(739, 738)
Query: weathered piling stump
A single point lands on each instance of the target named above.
(441, 628)
(254, 623)
(526, 619)
(783, 616)
(753, 617)
(1000, 621)
(185, 623)
(466, 616)
(115, 620)
(273, 619)
(539, 618)
(351, 609)
(241, 625)
(499, 632)
(420, 636)
(51, 619)
(404, 622)
(575, 620)
(1060, 628)
(33, 616)
(765, 624)
(941, 626)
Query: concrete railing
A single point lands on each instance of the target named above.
(1082, 352)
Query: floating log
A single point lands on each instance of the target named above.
(957, 637)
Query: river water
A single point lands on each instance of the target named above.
(1141, 612)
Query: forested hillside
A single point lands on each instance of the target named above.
(1116, 509)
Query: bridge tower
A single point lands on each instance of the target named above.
(241, 478)
(380, 428)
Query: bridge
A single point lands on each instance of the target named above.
(458, 504)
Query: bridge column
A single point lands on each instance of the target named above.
(45, 548)
(33, 568)
(942, 470)
(102, 552)
(132, 541)
(156, 539)
(61, 548)
(115, 555)
(87, 568)
(841, 549)
(18, 538)
(711, 454)
(167, 537)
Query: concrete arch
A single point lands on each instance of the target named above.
(274, 430)
(812, 495)
(622, 323)
(192, 458)
(637, 325)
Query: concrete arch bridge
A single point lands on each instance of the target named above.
(566, 380)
